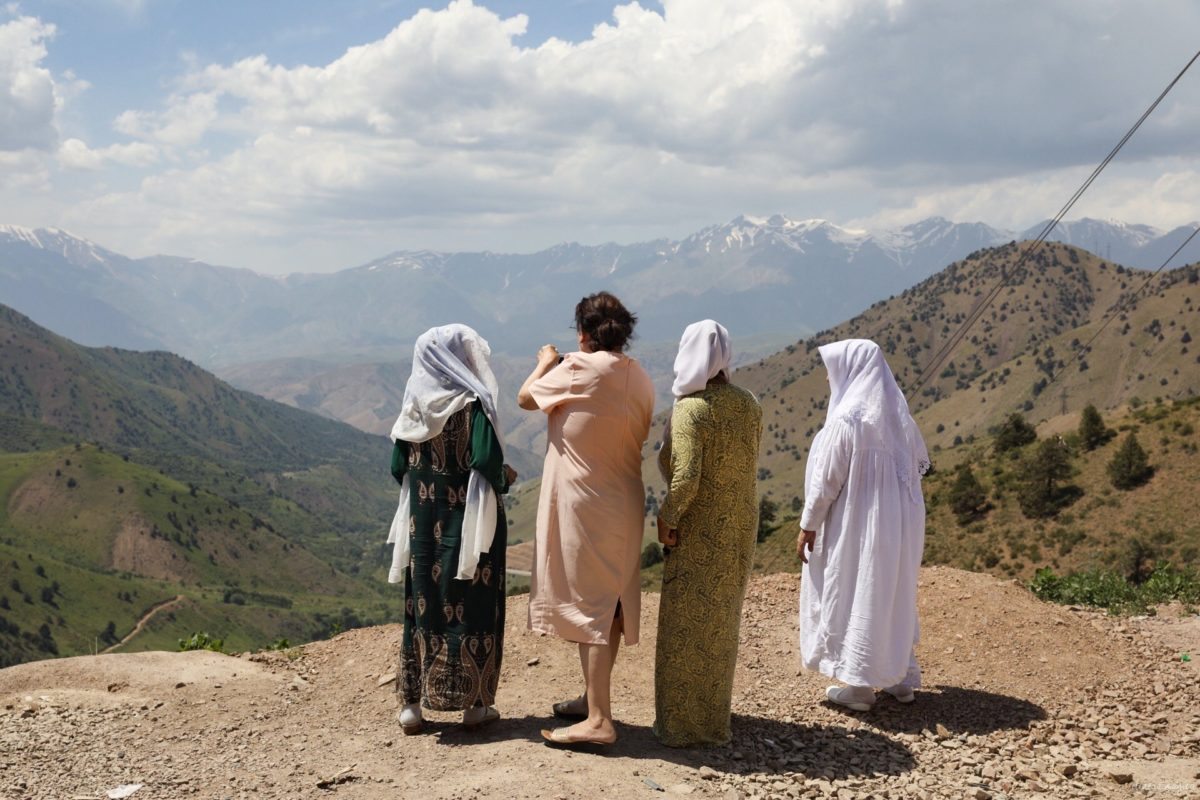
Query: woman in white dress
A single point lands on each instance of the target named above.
(862, 532)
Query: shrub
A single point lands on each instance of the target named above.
(201, 641)
(651, 554)
(1107, 589)
(1014, 432)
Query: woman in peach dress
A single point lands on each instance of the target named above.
(585, 584)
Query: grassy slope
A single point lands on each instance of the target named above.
(188, 487)
(170, 414)
(1098, 528)
(114, 552)
(1028, 330)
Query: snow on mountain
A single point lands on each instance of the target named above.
(760, 275)
(77, 250)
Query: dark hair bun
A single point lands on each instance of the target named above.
(606, 321)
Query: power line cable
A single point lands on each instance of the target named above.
(1007, 275)
(1119, 308)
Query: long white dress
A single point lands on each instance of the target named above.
(858, 592)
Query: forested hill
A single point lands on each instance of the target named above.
(129, 479)
(1028, 334)
(159, 401)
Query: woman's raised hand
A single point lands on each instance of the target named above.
(547, 357)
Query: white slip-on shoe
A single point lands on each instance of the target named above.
(854, 698)
(410, 719)
(902, 693)
(479, 716)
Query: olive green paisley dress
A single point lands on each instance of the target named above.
(710, 465)
(453, 629)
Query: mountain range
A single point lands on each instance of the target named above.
(137, 479)
(760, 275)
(338, 344)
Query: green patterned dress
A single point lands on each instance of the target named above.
(453, 629)
(710, 465)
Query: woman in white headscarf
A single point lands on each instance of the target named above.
(707, 524)
(449, 534)
(862, 532)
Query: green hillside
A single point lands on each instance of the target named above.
(319, 478)
(131, 480)
(89, 538)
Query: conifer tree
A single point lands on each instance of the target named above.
(967, 497)
(1043, 472)
(767, 511)
(1092, 432)
(1130, 466)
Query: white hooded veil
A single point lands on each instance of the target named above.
(863, 389)
(450, 369)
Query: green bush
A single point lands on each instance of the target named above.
(201, 641)
(1013, 433)
(1112, 591)
(651, 554)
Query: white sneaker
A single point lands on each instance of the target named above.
(855, 698)
(902, 693)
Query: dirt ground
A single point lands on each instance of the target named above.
(1021, 699)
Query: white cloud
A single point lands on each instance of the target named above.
(28, 96)
(75, 154)
(448, 132)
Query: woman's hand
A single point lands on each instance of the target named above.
(547, 358)
(547, 354)
(510, 475)
(667, 536)
(806, 538)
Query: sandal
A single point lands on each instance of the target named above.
(559, 738)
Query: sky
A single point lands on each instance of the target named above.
(307, 135)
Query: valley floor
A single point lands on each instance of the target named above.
(1022, 699)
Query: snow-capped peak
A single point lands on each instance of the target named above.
(75, 249)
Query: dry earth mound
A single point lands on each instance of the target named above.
(1022, 699)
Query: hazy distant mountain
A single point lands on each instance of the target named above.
(757, 275)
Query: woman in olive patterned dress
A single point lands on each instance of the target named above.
(707, 524)
(450, 533)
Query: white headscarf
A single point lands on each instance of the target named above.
(704, 352)
(863, 389)
(450, 369)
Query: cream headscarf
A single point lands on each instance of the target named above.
(863, 389)
(450, 370)
(704, 352)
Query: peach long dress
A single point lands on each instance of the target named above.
(592, 504)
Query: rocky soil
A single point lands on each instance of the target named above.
(1022, 699)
